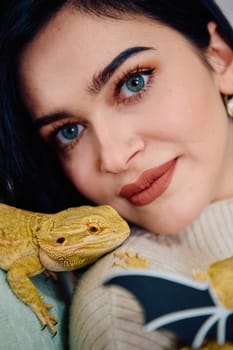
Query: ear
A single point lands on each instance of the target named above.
(220, 57)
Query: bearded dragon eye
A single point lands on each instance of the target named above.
(93, 229)
(61, 240)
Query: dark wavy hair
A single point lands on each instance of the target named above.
(30, 175)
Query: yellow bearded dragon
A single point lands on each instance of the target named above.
(31, 243)
(220, 276)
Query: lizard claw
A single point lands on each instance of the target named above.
(46, 319)
(18, 278)
(49, 321)
(129, 260)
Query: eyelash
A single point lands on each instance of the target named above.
(53, 136)
(125, 77)
(65, 147)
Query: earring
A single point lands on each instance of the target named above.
(229, 105)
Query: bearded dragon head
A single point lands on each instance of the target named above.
(76, 237)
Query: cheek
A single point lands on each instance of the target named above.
(77, 170)
(187, 113)
(182, 106)
(176, 119)
(82, 173)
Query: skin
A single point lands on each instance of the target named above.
(178, 115)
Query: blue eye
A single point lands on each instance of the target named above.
(136, 83)
(68, 133)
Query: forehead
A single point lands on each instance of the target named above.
(75, 44)
(72, 32)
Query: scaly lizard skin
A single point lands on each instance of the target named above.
(31, 243)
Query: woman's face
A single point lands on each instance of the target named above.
(134, 114)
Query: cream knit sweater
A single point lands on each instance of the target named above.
(109, 318)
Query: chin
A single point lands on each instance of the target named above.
(171, 221)
(164, 229)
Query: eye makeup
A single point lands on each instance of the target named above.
(63, 134)
(131, 85)
(126, 87)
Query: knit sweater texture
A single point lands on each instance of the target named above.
(110, 318)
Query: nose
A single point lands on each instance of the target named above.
(117, 147)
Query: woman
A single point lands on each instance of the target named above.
(138, 118)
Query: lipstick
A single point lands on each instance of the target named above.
(150, 185)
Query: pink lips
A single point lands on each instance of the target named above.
(150, 185)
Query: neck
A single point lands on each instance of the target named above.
(225, 188)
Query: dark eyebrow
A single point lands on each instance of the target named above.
(98, 81)
(101, 78)
(48, 119)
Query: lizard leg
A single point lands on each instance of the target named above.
(129, 260)
(18, 277)
(200, 276)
